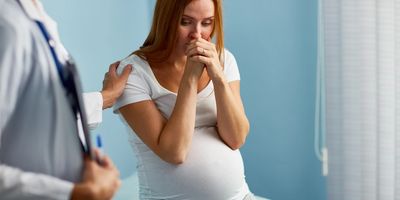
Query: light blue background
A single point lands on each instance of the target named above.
(274, 42)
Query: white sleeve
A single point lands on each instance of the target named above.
(231, 68)
(11, 73)
(136, 88)
(16, 184)
(94, 108)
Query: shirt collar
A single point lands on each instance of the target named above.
(31, 9)
(37, 13)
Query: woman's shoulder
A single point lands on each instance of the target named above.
(138, 64)
(229, 60)
(134, 59)
(231, 69)
(227, 55)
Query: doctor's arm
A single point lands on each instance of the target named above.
(113, 85)
(17, 184)
(99, 182)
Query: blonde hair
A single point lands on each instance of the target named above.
(163, 33)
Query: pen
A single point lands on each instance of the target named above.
(99, 145)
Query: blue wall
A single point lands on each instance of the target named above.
(275, 46)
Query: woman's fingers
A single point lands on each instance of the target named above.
(201, 59)
(201, 43)
(203, 51)
(199, 51)
(198, 43)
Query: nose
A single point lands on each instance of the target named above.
(195, 35)
(196, 32)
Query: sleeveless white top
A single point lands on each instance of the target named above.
(211, 170)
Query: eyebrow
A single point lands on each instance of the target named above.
(207, 18)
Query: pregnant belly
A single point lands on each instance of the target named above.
(211, 171)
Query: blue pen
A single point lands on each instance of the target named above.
(99, 144)
(98, 141)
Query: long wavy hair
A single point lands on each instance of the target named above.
(162, 38)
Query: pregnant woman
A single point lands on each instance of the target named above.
(182, 103)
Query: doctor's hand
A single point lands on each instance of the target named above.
(98, 182)
(114, 84)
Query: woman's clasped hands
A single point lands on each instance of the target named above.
(203, 51)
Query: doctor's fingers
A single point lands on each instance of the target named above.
(106, 78)
(113, 68)
(112, 73)
(108, 164)
(105, 160)
(89, 163)
(125, 73)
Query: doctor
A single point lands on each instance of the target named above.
(41, 156)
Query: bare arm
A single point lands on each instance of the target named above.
(169, 139)
(233, 126)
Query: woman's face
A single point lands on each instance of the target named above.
(197, 21)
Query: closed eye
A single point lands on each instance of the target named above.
(185, 22)
(208, 22)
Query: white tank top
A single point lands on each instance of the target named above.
(211, 170)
